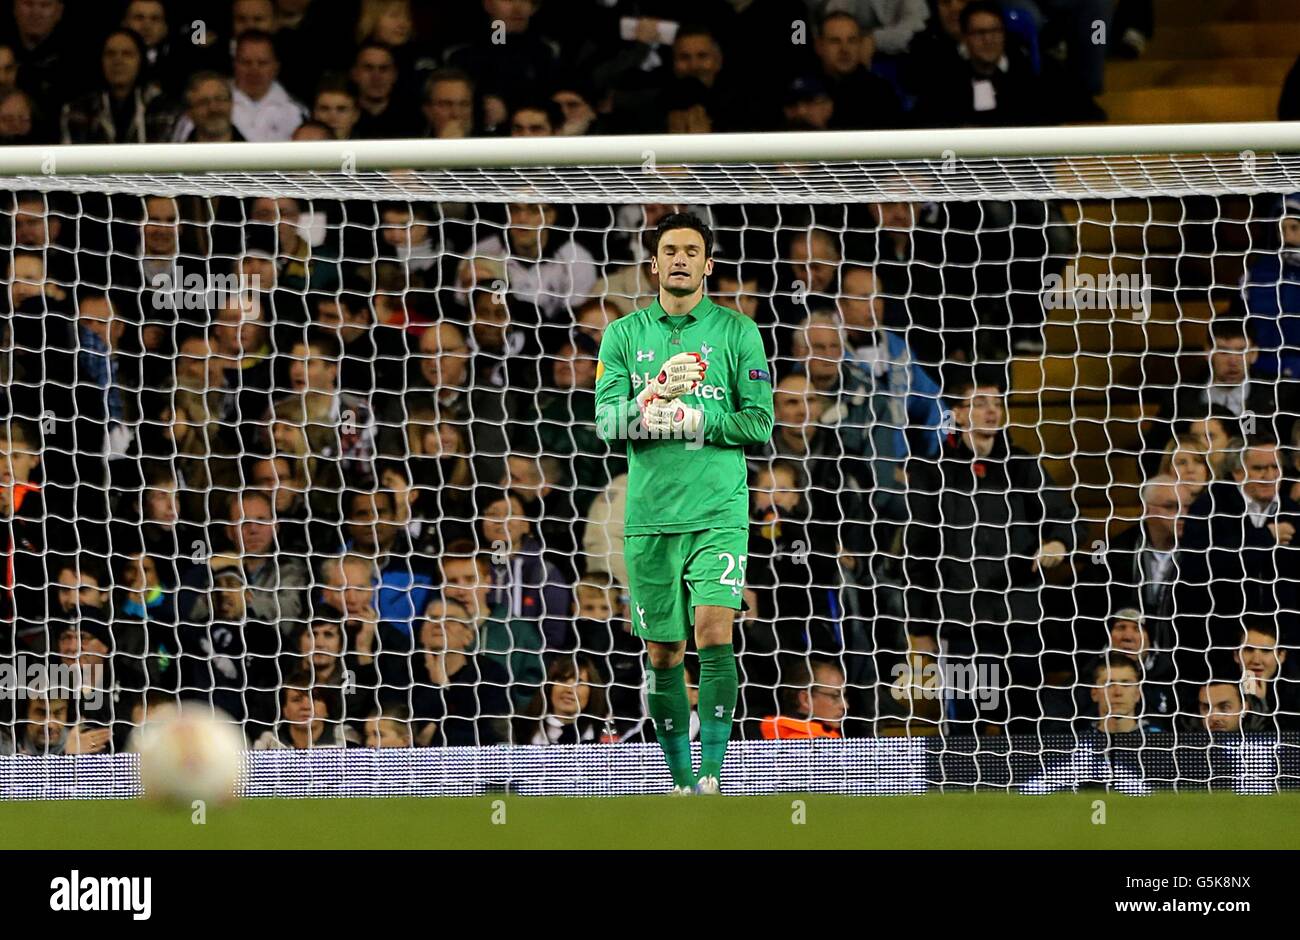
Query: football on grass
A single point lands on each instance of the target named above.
(188, 755)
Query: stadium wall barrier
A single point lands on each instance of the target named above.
(1130, 764)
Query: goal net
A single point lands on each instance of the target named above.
(308, 436)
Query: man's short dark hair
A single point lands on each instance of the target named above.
(554, 113)
(447, 75)
(1228, 328)
(963, 382)
(1260, 623)
(976, 7)
(684, 220)
(835, 15)
(207, 75)
(798, 675)
(375, 44)
(324, 342)
(1115, 660)
(339, 84)
(257, 35)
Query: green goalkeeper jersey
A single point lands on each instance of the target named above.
(698, 482)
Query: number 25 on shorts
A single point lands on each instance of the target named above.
(734, 563)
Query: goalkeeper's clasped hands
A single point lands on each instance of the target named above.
(660, 410)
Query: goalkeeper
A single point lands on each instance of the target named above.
(686, 383)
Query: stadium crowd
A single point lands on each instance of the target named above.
(332, 465)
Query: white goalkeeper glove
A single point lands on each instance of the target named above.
(679, 376)
(665, 417)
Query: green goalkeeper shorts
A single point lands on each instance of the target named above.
(671, 574)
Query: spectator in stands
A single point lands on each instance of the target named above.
(313, 129)
(936, 48)
(1214, 437)
(508, 355)
(371, 352)
(309, 717)
(46, 50)
(793, 563)
(992, 85)
(1148, 568)
(1267, 693)
(1232, 356)
(349, 585)
(372, 529)
(408, 238)
(144, 596)
(1186, 460)
(228, 654)
(1248, 526)
(536, 117)
(604, 633)
(337, 106)
(1129, 635)
(904, 409)
(574, 100)
(812, 701)
(161, 65)
(570, 708)
(43, 727)
(545, 492)
(449, 104)
(164, 534)
(384, 114)
(567, 428)
(512, 643)
(441, 379)
(1272, 294)
(295, 267)
(85, 646)
(126, 109)
(438, 481)
(457, 697)
(1222, 708)
(508, 60)
(811, 281)
(338, 426)
(862, 100)
(8, 70)
(276, 583)
(524, 582)
(80, 582)
(263, 109)
(887, 28)
(1004, 524)
(339, 653)
(1115, 688)
(832, 472)
(21, 121)
(808, 105)
(389, 727)
(542, 267)
(209, 110)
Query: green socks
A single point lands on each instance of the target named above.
(671, 712)
(718, 684)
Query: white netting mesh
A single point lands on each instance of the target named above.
(274, 438)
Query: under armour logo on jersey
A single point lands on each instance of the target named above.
(645, 355)
(706, 350)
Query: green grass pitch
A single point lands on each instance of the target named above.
(955, 820)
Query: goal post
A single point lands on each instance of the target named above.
(382, 353)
